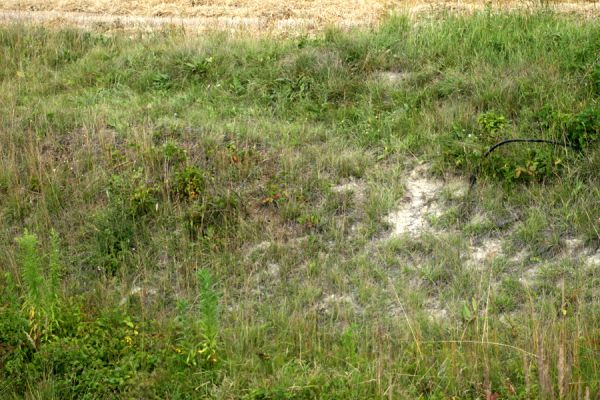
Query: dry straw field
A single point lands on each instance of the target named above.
(251, 15)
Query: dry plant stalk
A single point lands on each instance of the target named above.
(546, 390)
(561, 371)
(526, 374)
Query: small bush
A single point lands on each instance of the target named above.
(491, 123)
(198, 325)
(143, 200)
(213, 213)
(113, 238)
(583, 128)
(578, 130)
(189, 183)
(173, 153)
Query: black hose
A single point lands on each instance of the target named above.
(473, 177)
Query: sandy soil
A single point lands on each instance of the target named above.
(245, 15)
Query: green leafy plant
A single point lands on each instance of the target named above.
(578, 130)
(462, 146)
(491, 123)
(161, 81)
(143, 200)
(41, 288)
(31, 270)
(583, 128)
(532, 165)
(213, 212)
(209, 314)
(173, 153)
(197, 345)
(32, 316)
(189, 183)
(199, 66)
(47, 335)
(469, 311)
(113, 238)
(97, 358)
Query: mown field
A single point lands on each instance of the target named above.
(274, 18)
(210, 217)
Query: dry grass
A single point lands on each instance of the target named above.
(320, 11)
(248, 15)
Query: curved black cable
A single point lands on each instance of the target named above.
(473, 177)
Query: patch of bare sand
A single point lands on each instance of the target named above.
(356, 187)
(335, 302)
(423, 201)
(484, 252)
(576, 249)
(418, 203)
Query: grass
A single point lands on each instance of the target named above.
(202, 247)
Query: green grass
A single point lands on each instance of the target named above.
(171, 228)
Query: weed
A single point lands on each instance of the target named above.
(212, 213)
(198, 325)
(114, 239)
(40, 298)
(198, 67)
(33, 277)
(583, 128)
(161, 81)
(144, 200)
(492, 124)
(173, 153)
(190, 183)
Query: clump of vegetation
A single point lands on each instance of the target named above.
(189, 183)
(103, 354)
(39, 294)
(583, 129)
(198, 325)
(492, 124)
(217, 212)
(523, 161)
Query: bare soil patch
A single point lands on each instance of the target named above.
(419, 204)
(422, 201)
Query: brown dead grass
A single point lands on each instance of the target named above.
(270, 10)
(248, 15)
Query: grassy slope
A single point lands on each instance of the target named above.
(164, 163)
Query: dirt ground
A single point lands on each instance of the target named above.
(247, 15)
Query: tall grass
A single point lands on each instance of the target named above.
(219, 210)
